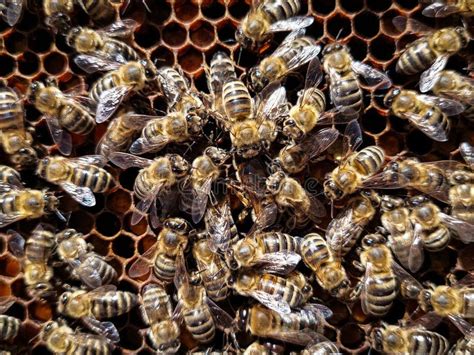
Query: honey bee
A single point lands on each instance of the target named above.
(344, 230)
(330, 273)
(427, 113)
(80, 177)
(15, 139)
(445, 8)
(467, 152)
(17, 203)
(9, 176)
(392, 339)
(157, 312)
(9, 326)
(302, 282)
(87, 266)
(61, 339)
(269, 251)
(322, 346)
(461, 192)
(61, 111)
(267, 17)
(111, 89)
(212, 271)
(298, 327)
(92, 306)
(163, 254)
(295, 51)
(344, 73)
(448, 84)
(10, 11)
(464, 345)
(434, 48)
(256, 348)
(196, 188)
(156, 179)
(220, 226)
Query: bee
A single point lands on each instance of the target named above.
(17, 203)
(196, 188)
(10, 11)
(87, 266)
(220, 226)
(355, 167)
(15, 139)
(445, 8)
(344, 72)
(270, 252)
(344, 231)
(256, 348)
(157, 312)
(101, 11)
(390, 339)
(267, 17)
(321, 346)
(295, 51)
(93, 306)
(467, 152)
(461, 192)
(330, 273)
(174, 235)
(448, 84)
(9, 326)
(80, 177)
(61, 111)
(298, 327)
(212, 271)
(9, 176)
(61, 339)
(302, 282)
(156, 179)
(113, 87)
(464, 345)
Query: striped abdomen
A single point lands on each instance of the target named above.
(346, 92)
(117, 138)
(381, 290)
(75, 119)
(200, 323)
(99, 10)
(461, 199)
(369, 160)
(400, 244)
(278, 286)
(273, 242)
(93, 177)
(425, 342)
(222, 68)
(416, 58)
(9, 175)
(87, 346)
(151, 297)
(464, 346)
(436, 240)
(434, 117)
(171, 83)
(94, 262)
(278, 10)
(108, 81)
(297, 45)
(313, 97)
(164, 267)
(315, 252)
(214, 277)
(237, 101)
(9, 327)
(40, 245)
(11, 110)
(113, 303)
(467, 296)
(113, 48)
(8, 203)
(299, 320)
(144, 184)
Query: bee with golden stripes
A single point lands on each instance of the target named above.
(86, 265)
(433, 49)
(80, 177)
(461, 192)
(267, 17)
(220, 227)
(196, 188)
(93, 306)
(162, 255)
(268, 251)
(157, 179)
(10, 176)
(448, 84)
(211, 271)
(9, 326)
(299, 327)
(61, 339)
(15, 139)
(295, 51)
(344, 74)
(157, 312)
(61, 111)
(444, 8)
(329, 271)
(344, 231)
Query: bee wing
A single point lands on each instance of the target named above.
(435, 131)
(281, 263)
(16, 244)
(92, 63)
(144, 204)
(201, 196)
(320, 310)
(372, 76)
(463, 229)
(12, 10)
(291, 24)
(81, 194)
(403, 276)
(340, 228)
(428, 320)
(109, 102)
(93, 159)
(142, 145)
(100, 291)
(125, 160)
(463, 325)
(299, 337)
(319, 142)
(465, 96)
(181, 276)
(271, 103)
(438, 9)
(303, 56)
(6, 219)
(266, 216)
(273, 302)
(467, 152)
(365, 283)
(120, 28)
(142, 265)
(337, 115)
(314, 74)
(60, 136)
(218, 221)
(106, 329)
(402, 24)
(222, 319)
(449, 107)
(316, 209)
(416, 255)
(6, 187)
(87, 338)
(430, 76)
(386, 179)
(5, 303)
(352, 137)
(89, 276)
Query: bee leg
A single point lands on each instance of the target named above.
(355, 293)
(358, 265)
(358, 250)
(451, 279)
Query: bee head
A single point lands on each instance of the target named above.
(390, 96)
(376, 339)
(274, 181)
(33, 90)
(291, 129)
(178, 225)
(217, 155)
(331, 190)
(48, 328)
(242, 318)
(25, 157)
(464, 36)
(256, 80)
(333, 47)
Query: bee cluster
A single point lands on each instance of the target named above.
(256, 208)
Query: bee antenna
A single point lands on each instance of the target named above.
(146, 6)
(339, 33)
(240, 53)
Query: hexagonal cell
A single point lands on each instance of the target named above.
(382, 48)
(338, 26)
(190, 59)
(201, 33)
(16, 310)
(391, 142)
(124, 246)
(316, 30)
(127, 178)
(5, 289)
(100, 245)
(351, 5)
(137, 229)
(185, 11)
(387, 22)
(7, 65)
(214, 10)
(366, 24)
(131, 338)
(40, 41)
(373, 121)
(9, 266)
(174, 34)
(28, 63)
(147, 36)
(162, 56)
(323, 7)
(226, 32)
(16, 43)
(160, 11)
(107, 224)
(40, 310)
(352, 336)
(55, 63)
(407, 4)
(18, 289)
(3, 243)
(118, 267)
(418, 143)
(119, 201)
(358, 48)
(160, 104)
(466, 261)
(81, 221)
(379, 5)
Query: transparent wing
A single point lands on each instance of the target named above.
(429, 320)
(12, 11)
(106, 329)
(60, 137)
(467, 152)
(81, 194)
(320, 310)
(136, 121)
(402, 23)
(87, 338)
(273, 302)
(416, 255)
(365, 283)
(270, 105)
(342, 230)
(6, 219)
(352, 137)
(314, 74)
(223, 320)
(93, 159)
(386, 179)
(316, 209)
(142, 265)
(463, 325)
(302, 57)
(291, 24)
(16, 244)
(89, 276)
(337, 115)
(266, 214)
(92, 63)
(5, 303)
(120, 28)
(143, 145)
(438, 9)
(201, 197)
(463, 229)
(218, 221)
(279, 262)
(110, 101)
(372, 76)
(144, 204)
(404, 277)
(430, 76)
(435, 131)
(449, 107)
(181, 276)
(321, 141)
(125, 160)
(300, 337)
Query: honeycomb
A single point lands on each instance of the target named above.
(188, 33)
